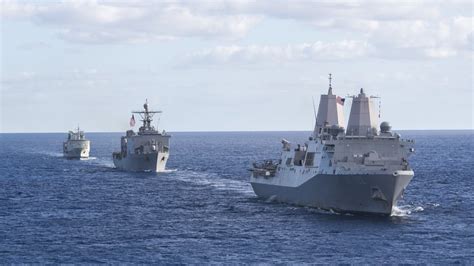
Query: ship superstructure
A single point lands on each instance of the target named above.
(146, 150)
(76, 146)
(358, 170)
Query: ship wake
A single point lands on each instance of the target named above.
(213, 180)
(167, 171)
(101, 162)
(48, 153)
(88, 159)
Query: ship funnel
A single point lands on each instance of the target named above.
(363, 119)
(330, 111)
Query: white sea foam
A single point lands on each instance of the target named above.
(169, 171)
(213, 180)
(271, 199)
(100, 162)
(88, 159)
(405, 210)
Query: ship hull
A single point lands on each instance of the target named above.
(76, 154)
(371, 194)
(154, 162)
(78, 149)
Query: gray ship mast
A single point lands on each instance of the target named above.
(146, 118)
(363, 118)
(330, 112)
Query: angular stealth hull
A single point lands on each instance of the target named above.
(154, 162)
(372, 194)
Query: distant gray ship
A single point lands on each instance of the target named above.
(358, 170)
(76, 146)
(147, 150)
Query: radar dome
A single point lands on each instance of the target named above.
(385, 127)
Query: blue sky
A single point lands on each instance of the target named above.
(232, 65)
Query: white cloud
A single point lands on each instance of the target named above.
(402, 28)
(139, 21)
(396, 29)
(345, 49)
(444, 38)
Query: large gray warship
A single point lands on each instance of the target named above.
(355, 170)
(147, 150)
(76, 146)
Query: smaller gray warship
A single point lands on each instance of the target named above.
(146, 150)
(76, 146)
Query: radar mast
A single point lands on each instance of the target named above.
(146, 117)
(330, 85)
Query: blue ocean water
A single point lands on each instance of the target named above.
(203, 210)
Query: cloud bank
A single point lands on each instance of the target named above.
(134, 21)
(387, 29)
(346, 49)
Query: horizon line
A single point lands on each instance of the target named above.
(229, 131)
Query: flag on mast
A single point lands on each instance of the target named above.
(340, 100)
(132, 121)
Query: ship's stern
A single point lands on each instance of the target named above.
(76, 149)
(150, 162)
